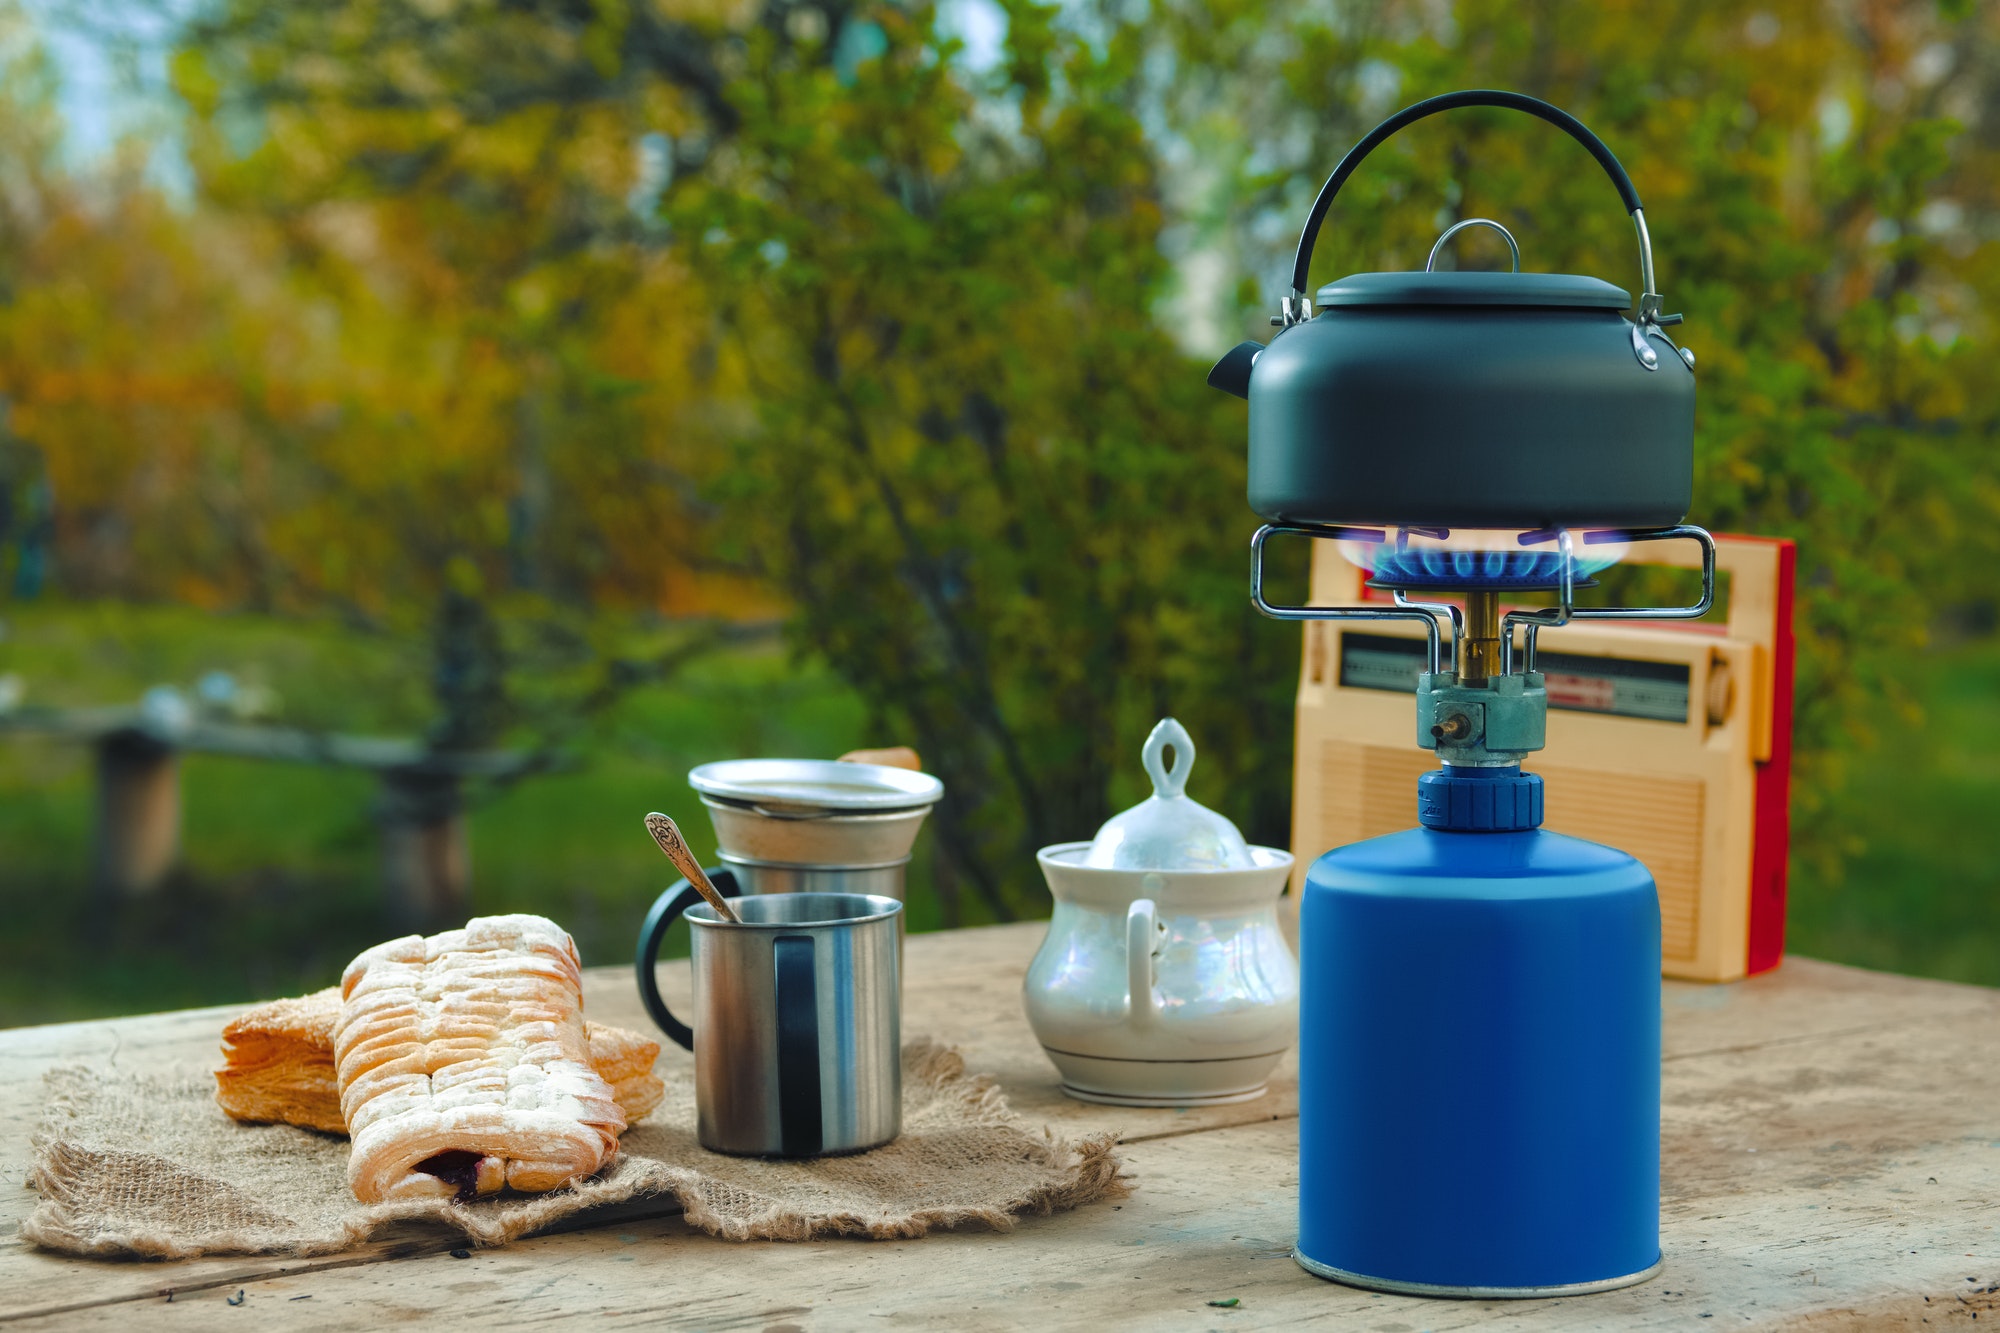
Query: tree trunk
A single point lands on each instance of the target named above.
(426, 857)
(138, 815)
(944, 883)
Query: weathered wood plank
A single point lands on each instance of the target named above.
(426, 854)
(204, 735)
(1806, 1115)
(138, 834)
(1790, 1244)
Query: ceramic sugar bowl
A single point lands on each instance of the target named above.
(1164, 979)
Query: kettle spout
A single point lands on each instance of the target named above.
(1232, 373)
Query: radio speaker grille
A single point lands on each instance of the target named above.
(1368, 790)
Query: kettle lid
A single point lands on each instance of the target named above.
(1475, 288)
(1169, 830)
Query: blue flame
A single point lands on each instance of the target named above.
(1436, 567)
(1440, 561)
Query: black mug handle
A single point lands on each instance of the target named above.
(666, 910)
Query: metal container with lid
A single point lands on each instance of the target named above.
(815, 813)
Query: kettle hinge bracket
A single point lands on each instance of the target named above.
(1294, 309)
(1651, 323)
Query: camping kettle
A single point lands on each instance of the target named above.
(1482, 400)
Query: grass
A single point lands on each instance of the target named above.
(279, 885)
(1923, 894)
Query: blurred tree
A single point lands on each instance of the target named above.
(1000, 497)
(438, 398)
(815, 245)
(457, 190)
(529, 300)
(115, 343)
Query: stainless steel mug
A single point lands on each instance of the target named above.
(797, 1033)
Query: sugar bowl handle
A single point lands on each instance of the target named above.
(1142, 927)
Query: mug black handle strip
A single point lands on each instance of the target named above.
(800, 1132)
(667, 909)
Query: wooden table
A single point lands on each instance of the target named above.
(1832, 1161)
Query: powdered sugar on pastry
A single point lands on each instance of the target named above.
(278, 1064)
(462, 1064)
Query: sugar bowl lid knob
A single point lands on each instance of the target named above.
(1169, 830)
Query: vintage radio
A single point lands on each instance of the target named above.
(1670, 742)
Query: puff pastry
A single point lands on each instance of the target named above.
(462, 1067)
(278, 1064)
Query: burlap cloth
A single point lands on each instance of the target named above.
(132, 1164)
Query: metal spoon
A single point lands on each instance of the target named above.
(668, 834)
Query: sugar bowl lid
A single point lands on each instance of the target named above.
(1169, 830)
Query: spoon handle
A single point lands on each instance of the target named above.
(668, 835)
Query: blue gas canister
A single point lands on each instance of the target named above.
(1479, 1054)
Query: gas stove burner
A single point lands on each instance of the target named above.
(1437, 559)
(1436, 569)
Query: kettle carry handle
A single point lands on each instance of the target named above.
(667, 909)
(1297, 308)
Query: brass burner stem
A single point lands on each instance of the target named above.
(1479, 655)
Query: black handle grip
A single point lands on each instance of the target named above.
(1409, 115)
(666, 910)
(800, 1131)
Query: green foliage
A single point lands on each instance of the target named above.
(1921, 892)
(996, 492)
(543, 306)
(412, 397)
(280, 884)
